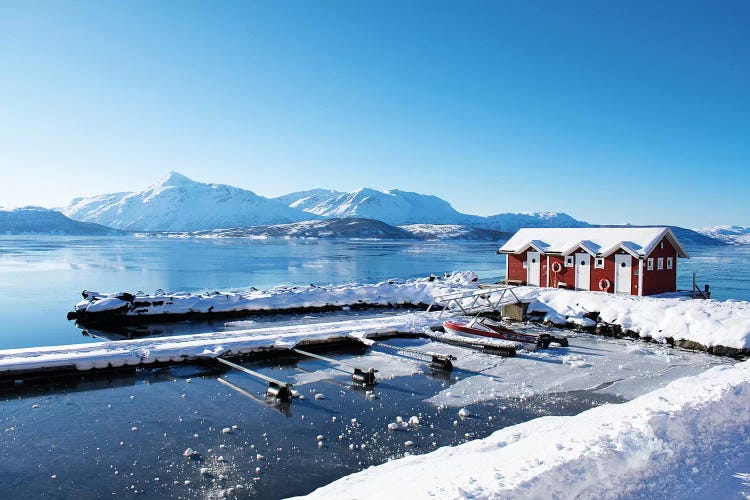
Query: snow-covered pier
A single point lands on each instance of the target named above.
(123, 308)
(17, 363)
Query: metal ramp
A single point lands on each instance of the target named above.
(473, 302)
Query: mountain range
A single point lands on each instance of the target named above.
(178, 204)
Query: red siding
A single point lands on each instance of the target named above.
(608, 273)
(565, 275)
(657, 281)
(516, 270)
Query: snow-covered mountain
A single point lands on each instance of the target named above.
(323, 229)
(392, 206)
(455, 232)
(512, 222)
(733, 235)
(176, 203)
(38, 220)
(406, 208)
(308, 200)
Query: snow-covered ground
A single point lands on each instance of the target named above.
(708, 322)
(672, 442)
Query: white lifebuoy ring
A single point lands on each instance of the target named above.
(556, 267)
(604, 284)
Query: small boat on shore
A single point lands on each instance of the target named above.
(483, 327)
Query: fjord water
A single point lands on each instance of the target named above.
(41, 278)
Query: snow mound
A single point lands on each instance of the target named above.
(708, 322)
(669, 442)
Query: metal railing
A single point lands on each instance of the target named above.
(472, 301)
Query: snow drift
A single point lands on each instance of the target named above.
(666, 443)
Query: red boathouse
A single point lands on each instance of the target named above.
(627, 260)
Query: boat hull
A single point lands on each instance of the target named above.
(494, 331)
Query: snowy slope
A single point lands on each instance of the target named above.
(454, 232)
(323, 229)
(177, 203)
(392, 206)
(351, 228)
(669, 443)
(511, 222)
(307, 200)
(406, 208)
(38, 220)
(733, 235)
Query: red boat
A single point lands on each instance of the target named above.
(483, 327)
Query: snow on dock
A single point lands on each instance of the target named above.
(175, 349)
(123, 307)
(672, 442)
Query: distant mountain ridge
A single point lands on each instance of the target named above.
(348, 228)
(732, 235)
(393, 206)
(43, 221)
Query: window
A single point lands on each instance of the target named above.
(670, 262)
(650, 264)
(525, 264)
(599, 263)
(660, 264)
(568, 261)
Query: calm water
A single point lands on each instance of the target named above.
(126, 436)
(42, 277)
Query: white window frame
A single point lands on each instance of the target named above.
(670, 262)
(526, 264)
(660, 264)
(599, 263)
(569, 261)
(650, 264)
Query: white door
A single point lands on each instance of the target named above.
(583, 271)
(532, 268)
(623, 273)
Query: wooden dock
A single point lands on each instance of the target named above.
(17, 364)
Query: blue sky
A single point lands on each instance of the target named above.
(612, 112)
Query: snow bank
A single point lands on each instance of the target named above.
(666, 443)
(708, 322)
(391, 292)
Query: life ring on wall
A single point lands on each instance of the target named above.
(604, 284)
(556, 267)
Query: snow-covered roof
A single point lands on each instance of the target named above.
(600, 241)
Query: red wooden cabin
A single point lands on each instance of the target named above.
(627, 260)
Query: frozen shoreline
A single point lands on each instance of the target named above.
(668, 443)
